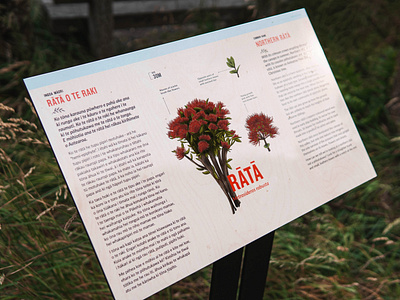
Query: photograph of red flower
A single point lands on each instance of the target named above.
(260, 128)
(202, 127)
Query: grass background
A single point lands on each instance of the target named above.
(346, 249)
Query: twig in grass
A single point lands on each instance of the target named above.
(31, 106)
(331, 257)
(372, 294)
(13, 66)
(309, 296)
(4, 157)
(391, 225)
(69, 222)
(6, 108)
(372, 259)
(20, 269)
(50, 209)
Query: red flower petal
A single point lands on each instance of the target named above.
(180, 152)
(202, 146)
(223, 124)
(194, 126)
(205, 137)
(212, 126)
(225, 145)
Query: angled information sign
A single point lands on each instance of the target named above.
(179, 154)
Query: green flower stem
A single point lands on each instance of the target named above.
(223, 159)
(199, 166)
(221, 175)
(208, 166)
(222, 170)
(216, 166)
(266, 145)
(213, 170)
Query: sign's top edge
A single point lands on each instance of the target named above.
(62, 75)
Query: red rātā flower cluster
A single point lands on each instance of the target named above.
(203, 126)
(260, 128)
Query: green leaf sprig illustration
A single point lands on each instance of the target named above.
(230, 62)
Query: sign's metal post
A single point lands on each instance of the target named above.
(255, 267)
(225, 276)
(252, 272)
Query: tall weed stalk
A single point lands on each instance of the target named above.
(45, 252)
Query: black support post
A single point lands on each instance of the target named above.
(255, 268)
(252, 270)
(225, 276)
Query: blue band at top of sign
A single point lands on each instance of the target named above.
(43, 80)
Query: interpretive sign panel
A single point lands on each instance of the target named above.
(182, 153)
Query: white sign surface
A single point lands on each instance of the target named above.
(261, 136)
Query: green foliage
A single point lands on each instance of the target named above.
(360, 39)
(230, 62)
(28, 48)
(45, 252)
(330, 254)
(366, 88)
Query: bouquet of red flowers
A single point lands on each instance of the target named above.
(202, 128)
